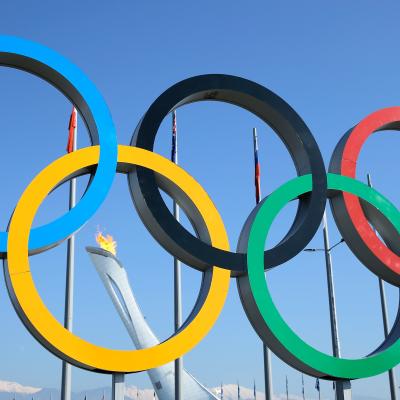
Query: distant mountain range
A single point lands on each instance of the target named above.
(14, 390)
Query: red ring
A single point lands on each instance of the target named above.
(373, 122)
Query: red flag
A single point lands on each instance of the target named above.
(73, 123)
(257, 182)
(256, 167)
(173, 148)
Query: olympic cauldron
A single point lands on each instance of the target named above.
(357, 210)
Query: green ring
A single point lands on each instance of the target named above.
(324, 364)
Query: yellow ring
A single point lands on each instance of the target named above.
(42, 324)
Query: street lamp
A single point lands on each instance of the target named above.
(316, 249)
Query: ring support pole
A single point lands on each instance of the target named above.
(385, 320)
(118, 386)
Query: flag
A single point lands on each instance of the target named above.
(256, 167)
(254, 390)
(73, 123)
(174, 138)
(317, 385)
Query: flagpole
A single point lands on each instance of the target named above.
(302, 387)
(69, 284)
(319, 390)
(177, 272)
(266, 350)
(342, 387)
(287, 388)
(385, 318)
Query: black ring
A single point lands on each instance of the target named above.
(281, 118)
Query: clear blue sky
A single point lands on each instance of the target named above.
(333, 62)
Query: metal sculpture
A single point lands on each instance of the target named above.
(208, 251)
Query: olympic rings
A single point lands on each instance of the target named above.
(383, 260)
(70, 80)
(42, 324)
(354, 210)
(266, 319)
(288, 126)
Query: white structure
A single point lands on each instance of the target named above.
(116, 282)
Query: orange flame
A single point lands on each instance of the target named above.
(106, 242)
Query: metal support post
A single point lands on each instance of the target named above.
(342, 388)
(177, 273)
(118, 386)
(385, 319)
(69, 287)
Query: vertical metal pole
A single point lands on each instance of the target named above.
(267, 373)
(331, 291)
(385, 318)
(266, 350)
(287, 388)
(342, 388)
(69, 286)
(178, 315)
(118, 386)
(177, 282)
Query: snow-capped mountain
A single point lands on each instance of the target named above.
(16, 391)
(14, 387)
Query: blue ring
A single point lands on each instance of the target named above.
(73, 83)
